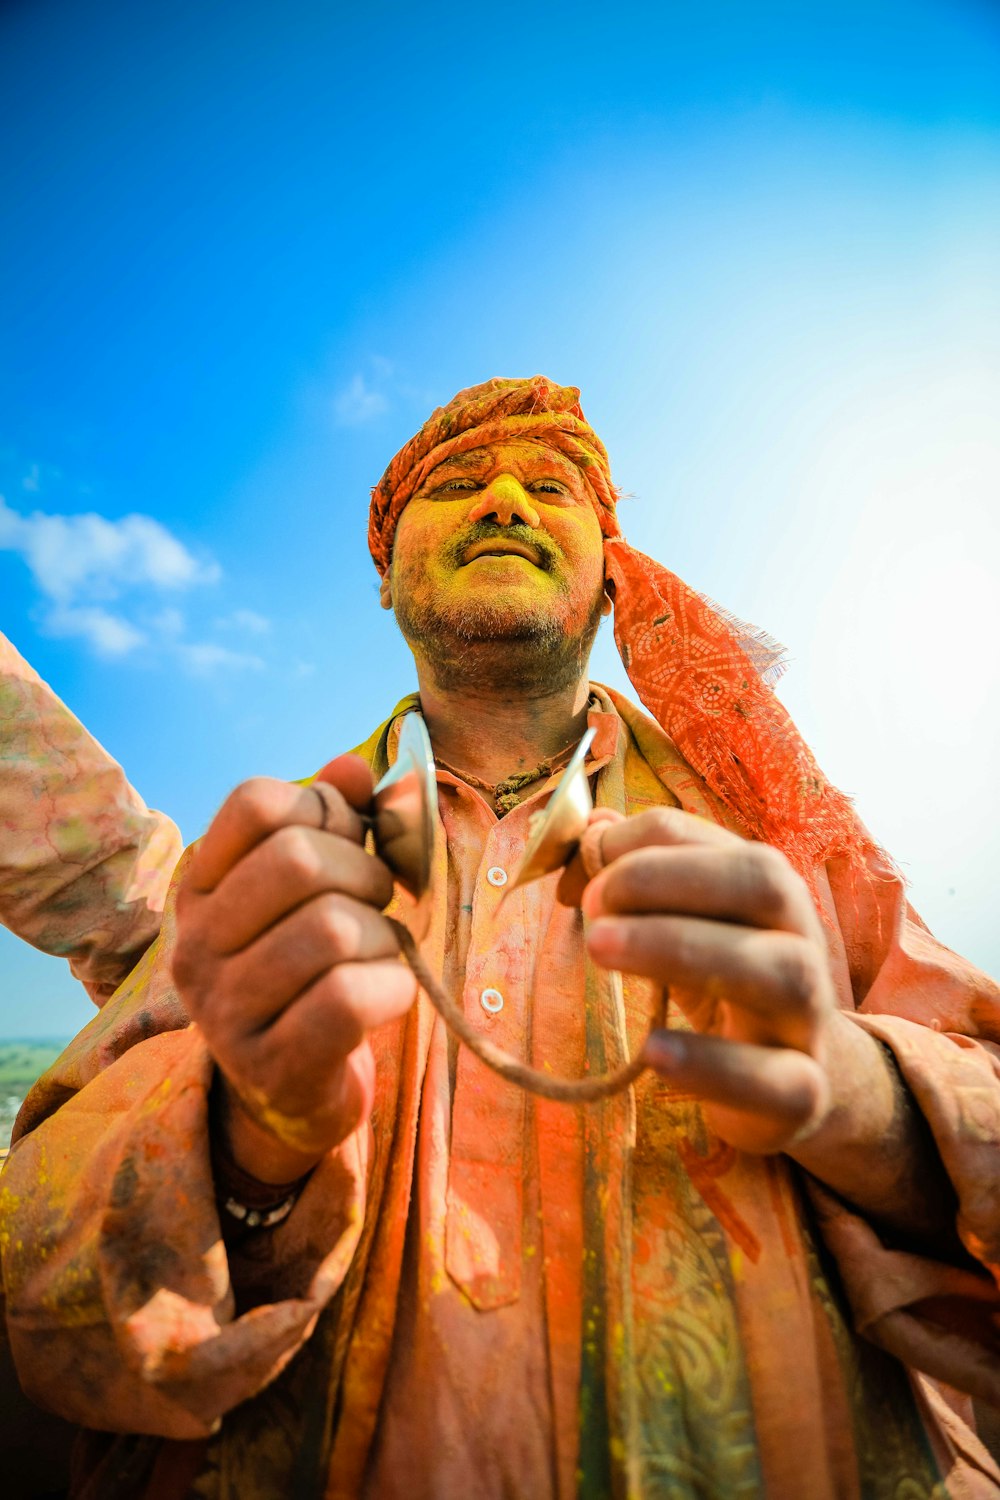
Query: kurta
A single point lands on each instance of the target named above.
(484, 1294)
(84, 871)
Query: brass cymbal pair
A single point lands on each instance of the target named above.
(404, 823)
(404, 820)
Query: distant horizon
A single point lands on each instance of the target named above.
(35, 1041)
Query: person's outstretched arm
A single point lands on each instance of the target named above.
(84, 864)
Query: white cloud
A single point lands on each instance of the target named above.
(376, 386)
(70, 555)
(81, 562)
(168, 622)
(206, 657)
(107, 633)
(358, 403)
(246, 620)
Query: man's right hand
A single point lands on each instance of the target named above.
(286, 962)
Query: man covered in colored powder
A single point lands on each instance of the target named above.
(267, 1223)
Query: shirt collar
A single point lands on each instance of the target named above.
(602, 717)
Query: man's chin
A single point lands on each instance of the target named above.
(510, 637)
(503, 620)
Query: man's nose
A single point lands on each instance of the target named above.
(506, 499)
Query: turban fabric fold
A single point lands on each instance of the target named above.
(704, 676)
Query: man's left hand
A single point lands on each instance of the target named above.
(730, 927)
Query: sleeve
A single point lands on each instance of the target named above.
(84, 864)
(940, 1017)
(125, 1311)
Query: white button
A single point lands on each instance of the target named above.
(491, 1000)
(496, 876)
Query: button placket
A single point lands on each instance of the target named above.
(486, 1167)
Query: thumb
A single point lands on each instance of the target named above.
(586, 861)
(352, 778)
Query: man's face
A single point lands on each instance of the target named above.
(501, 547)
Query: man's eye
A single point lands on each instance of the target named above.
(549, 487)
(456, 486)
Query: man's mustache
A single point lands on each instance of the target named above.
(489, 531)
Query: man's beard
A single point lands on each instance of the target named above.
(487, 645)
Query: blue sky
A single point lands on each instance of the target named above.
(247, 248)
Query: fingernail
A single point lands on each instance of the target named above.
(665, 1050)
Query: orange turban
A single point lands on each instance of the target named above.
(702, 675)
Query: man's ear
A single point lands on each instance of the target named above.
(607, 605)
(385, 592)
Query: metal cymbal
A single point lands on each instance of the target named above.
(404, 804)
(556, 831)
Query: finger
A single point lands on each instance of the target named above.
(258, 808)
(786, 1090)
(288, 868)
(588, 859)
(735, 882)
(335, 1014)
(781, 978)
(352, 778)
(663, 825)
(268, 976)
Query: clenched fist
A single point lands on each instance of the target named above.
(731, 928)
(286, 962)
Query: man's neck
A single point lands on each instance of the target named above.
(493, 735)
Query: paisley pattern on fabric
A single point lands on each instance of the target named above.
(696, 1426)
(277, 1444)
(893, 1455)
